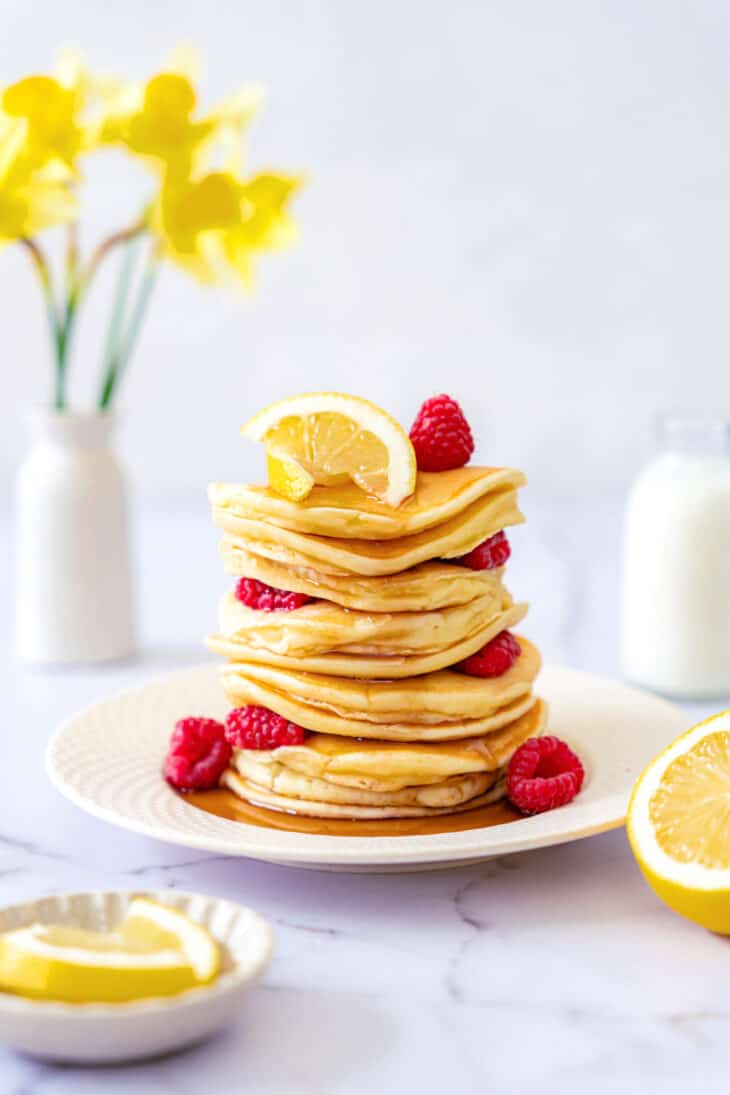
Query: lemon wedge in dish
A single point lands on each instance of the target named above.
(155, 951)
(331, 438)
(679, 824)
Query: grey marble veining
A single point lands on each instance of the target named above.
(552, 971)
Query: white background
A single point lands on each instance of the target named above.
(524, 203)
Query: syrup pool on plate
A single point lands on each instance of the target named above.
(225, 804)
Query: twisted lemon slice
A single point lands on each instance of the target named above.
(328, 438)
(679, 824)
(155, 951)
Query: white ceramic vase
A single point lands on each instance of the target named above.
(73, 576)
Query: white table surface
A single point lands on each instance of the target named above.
(551, 971)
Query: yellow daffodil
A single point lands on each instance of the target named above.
(157, 120)
(52, 108)
(29, 200)
(265, 224)
(206, 215)
(215, 225)
(191, 218)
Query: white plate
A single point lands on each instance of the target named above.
(101, 1033)
(108, 759)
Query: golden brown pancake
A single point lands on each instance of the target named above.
(287, 781)
(391, 766)
(312, 718)
(344, 511)
(260, 796)
(322, 627)
(374, 667)
(242, 688)
(435, 699)
(425, 587)
(452, 538)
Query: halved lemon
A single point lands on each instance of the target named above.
(332, 438)
(679, 824)
(156, 951)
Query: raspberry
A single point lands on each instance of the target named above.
(197, 755)
(544, 773)
(257, 594)
(441, 435)
(494, 552)
(494, 659)
(259, 728)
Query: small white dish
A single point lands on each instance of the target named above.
(616, 730)
(105, 1033)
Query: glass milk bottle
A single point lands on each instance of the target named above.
(676, 592)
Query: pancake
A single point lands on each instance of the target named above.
(498, 706)
(371, 666)
(260, 796)
(454, 537)
(391, 766)
(287, 781)
(445, 699)
(346, 512)
(322, 627)
(312, 718)
(444, 696)
(422, 588)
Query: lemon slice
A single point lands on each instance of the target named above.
(148, 923)
(330, 439)
(155, 952)
(679, 824)
(287, 478)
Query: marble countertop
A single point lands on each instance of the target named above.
(552, 971)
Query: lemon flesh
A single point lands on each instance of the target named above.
(679, 824)
(150, 924)
(333, 438)
(690, 810)
(288, 479)
(156, 951)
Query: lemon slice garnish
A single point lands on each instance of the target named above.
(287, 478)
(679, 824)
(329, 438)
(156, 951)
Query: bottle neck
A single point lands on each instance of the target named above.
(703, 437)
(71, 429)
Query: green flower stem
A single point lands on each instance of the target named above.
(55, 325)
(119, 308)
(124, 343)
(107, 246)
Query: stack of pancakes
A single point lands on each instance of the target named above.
(367, 665)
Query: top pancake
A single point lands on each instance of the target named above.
(450, 539)
(346, 512)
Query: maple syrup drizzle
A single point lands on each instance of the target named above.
(223, 803)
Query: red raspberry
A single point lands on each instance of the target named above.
(543, 773)
(494, 552)
(441, 435)
(259, 728)
(257, 594)
(198, 754)
(494, 659)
